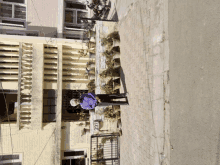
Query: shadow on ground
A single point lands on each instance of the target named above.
(123, 81)
(115, 17)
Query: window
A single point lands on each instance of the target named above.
(13, 13)
(74, 157)
(49, 105)
(16, 1)
(15, 159)
(73, 12)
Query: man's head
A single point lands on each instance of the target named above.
(74, 102)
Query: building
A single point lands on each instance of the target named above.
(46, 18)
(39, 77)
(39, 73)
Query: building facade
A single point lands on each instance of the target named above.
(38, 78)
(46, 18)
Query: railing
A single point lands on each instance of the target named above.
(105, 149)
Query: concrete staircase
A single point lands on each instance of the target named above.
(25, 86)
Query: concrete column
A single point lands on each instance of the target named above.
(59, 106)
(19, 82)
(37, 86)
(61, 18)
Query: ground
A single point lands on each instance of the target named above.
(170, 65)
(144, 59)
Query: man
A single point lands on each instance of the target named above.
(90, 100)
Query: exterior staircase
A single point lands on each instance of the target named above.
(25, 68)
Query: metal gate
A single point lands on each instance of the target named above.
(105, 149)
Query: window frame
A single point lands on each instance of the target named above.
(75, 29)
(13, 160)
(75, 157)
(13, 13)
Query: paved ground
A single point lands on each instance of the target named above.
(144, 60)
(194, 80)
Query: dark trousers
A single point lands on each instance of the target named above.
(106, 99)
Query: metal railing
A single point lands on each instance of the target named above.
(105, 149)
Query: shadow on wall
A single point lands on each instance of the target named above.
(65, 129)
(30, 31)
(48, 31)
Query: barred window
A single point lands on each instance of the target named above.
(13, 13)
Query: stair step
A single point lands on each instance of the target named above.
(25, 111)
(26, 98)
(25, 120)
(26, 106)
(25, 115)
(25, 125)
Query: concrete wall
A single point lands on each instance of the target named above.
(194, 80)
(42, 15)
(31, 142)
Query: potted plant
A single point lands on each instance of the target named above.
(116, 55)
(91, 51)
(116, 83)
(91, 76)
(114, 35)
(106, 73)
(110, 72)
(115, 42)
(90, 44)
(116, 62)
(116, 72)
(115, 49)
(91, 33)
(82, 53)
(107, 42)
(99, 154)
(108, 87)
(92, 55)
(117, 91)
(109, 63)
(90, 65)
(108, 54)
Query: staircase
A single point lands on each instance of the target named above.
(25, 86)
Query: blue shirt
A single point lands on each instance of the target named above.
(89, 101)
